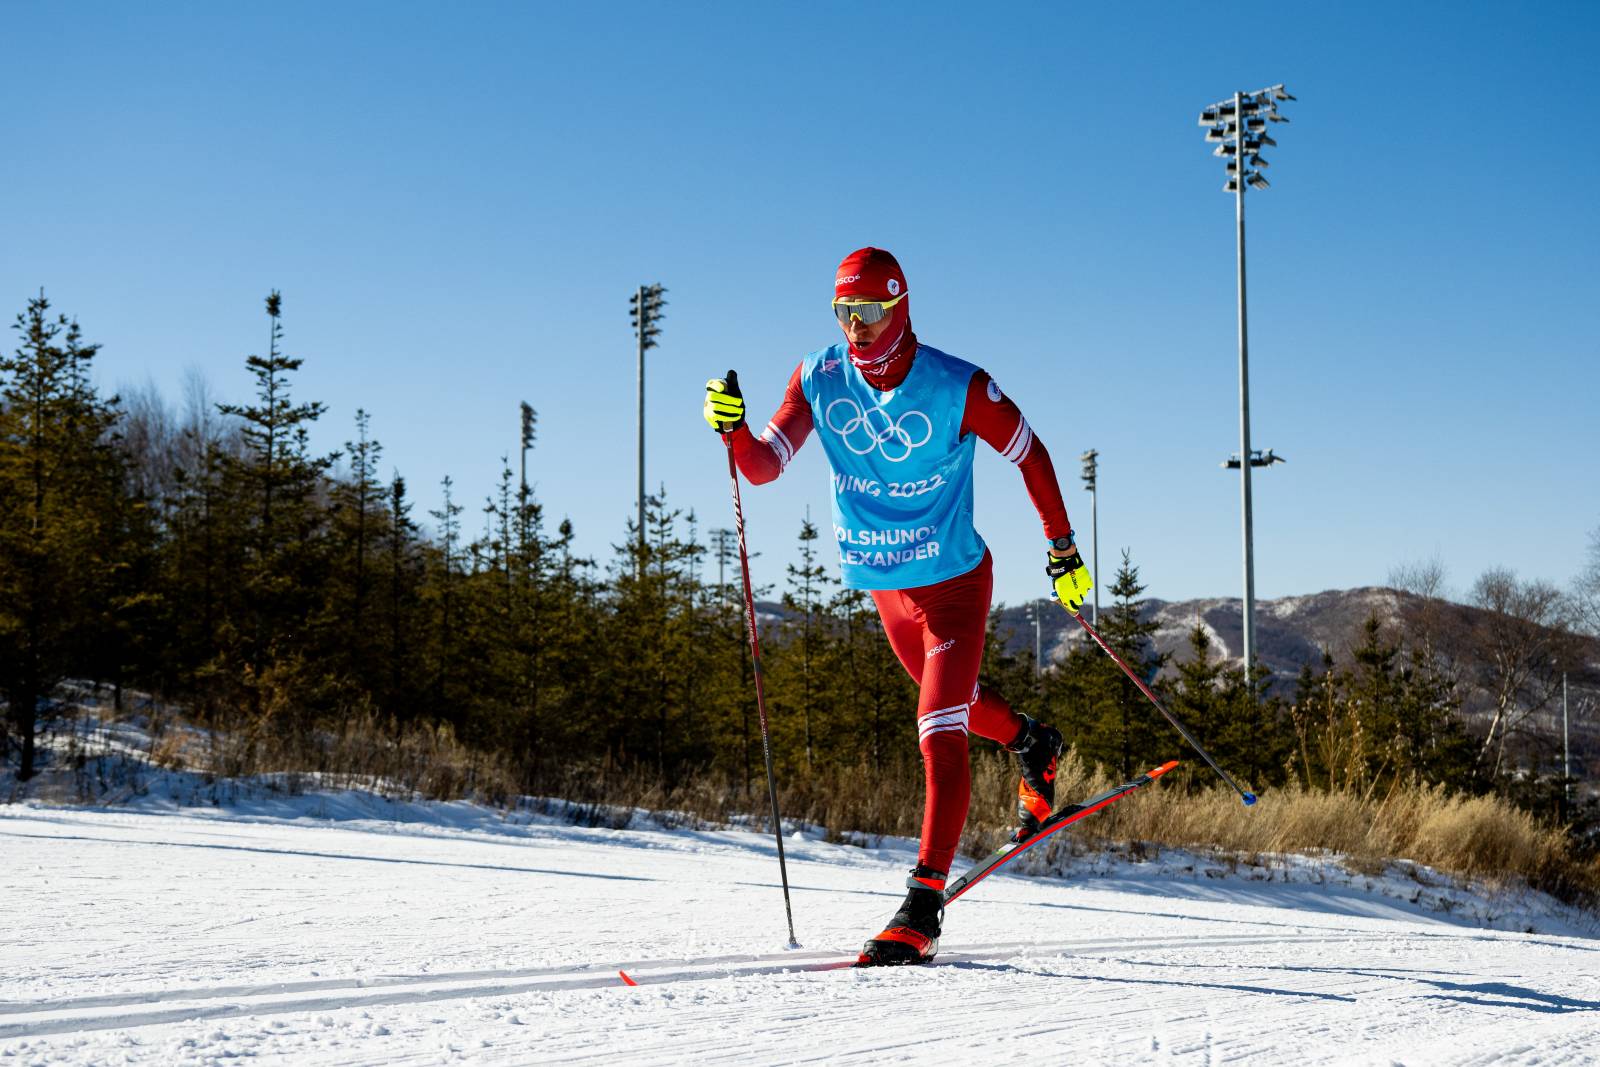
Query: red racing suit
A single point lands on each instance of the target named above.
(937, 631)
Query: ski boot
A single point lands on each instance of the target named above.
(1037, 748)
(912, 936)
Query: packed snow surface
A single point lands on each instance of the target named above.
(347, 930)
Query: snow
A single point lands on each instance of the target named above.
(343, 928)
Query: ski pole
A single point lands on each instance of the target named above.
(1245, 795)
(761, 700)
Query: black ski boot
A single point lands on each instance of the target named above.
(1037, 748)
(912, 936)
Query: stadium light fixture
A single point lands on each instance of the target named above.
(1237, 142)
(530, 423)
(1091, 482)
(645, 311)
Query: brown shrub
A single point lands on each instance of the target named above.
(1481, 838)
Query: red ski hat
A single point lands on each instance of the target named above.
(873, 274)
(869, 274)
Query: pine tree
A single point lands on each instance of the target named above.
(1411, 725)
(442, 590)
(402, 596)
(735, 711)
(805, 648)
(204, 551)
(56, 537)
(1244, 731)
(277, 477)
(651, 627)
(574, 683)
(1197, 698)
(1330, 748)
(1011, 674)
(1121, 733)
(344, 616)
(364, 453)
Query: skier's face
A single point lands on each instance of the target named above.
(862, 335)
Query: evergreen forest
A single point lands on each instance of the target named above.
(290, 602)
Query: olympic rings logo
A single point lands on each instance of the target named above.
(864, 431)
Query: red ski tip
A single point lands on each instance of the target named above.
(1163, 769)
(626, 980)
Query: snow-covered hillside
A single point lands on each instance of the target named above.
(344, 929)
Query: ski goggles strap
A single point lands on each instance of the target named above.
(868, 311)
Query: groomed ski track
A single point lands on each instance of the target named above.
(148, 937)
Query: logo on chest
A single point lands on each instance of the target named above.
(864, 431)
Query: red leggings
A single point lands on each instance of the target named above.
(938, 631)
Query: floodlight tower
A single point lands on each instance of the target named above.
(530, 420)
(1238, 127)
(1090, 470)
(724, 546)
(646, 313)
(1032, 613)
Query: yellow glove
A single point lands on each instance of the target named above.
(724, 410)
(1069, 579)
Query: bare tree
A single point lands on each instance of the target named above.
(203, 430)
(1520, 643)
(1586, 589)
(1432, 625)
(1423, 578)
(149, 440)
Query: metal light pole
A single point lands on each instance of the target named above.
(1034, 613)
(645, 313)
(1566, 753)
(1238, 128)
(1090, 473)
(1244, 426)
(723, 541)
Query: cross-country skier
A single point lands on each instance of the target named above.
(898, 421)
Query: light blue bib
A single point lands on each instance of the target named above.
(902, 475)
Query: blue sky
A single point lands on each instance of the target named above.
(457, 200)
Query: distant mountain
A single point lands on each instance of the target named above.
(1291, 632)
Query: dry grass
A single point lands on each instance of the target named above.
(363, 752)
(1484, 839)
(95, 758)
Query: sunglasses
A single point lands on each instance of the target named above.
(868, 311)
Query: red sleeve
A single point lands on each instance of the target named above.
(994, 417)
(761, 459)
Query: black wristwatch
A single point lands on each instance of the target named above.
(1061, 544)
